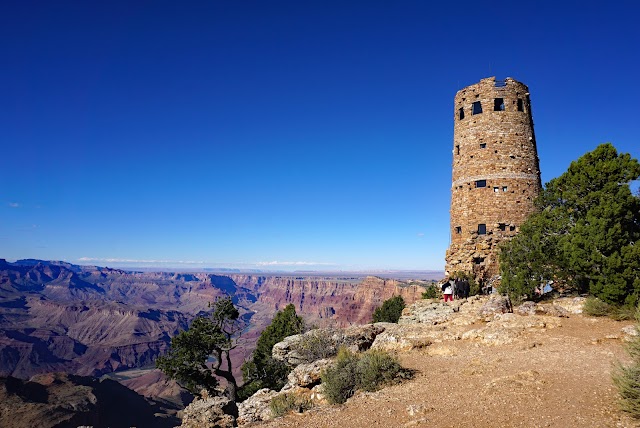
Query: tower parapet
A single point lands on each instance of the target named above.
(496, 172)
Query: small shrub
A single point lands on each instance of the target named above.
(431, 292)
(316, 345)
(285, 403)
(368, 372)
(596, 307)
(624, 313)
(340, 380)
(390, 310)
(375, 368)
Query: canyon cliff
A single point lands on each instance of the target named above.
(89, 320)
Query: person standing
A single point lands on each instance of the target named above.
(447, 291)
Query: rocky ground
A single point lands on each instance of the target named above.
(542, 366)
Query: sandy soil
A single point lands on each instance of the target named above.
(558, 377)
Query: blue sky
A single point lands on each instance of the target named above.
(280, 135)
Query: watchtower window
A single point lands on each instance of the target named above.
(482, 229)
(458, 229)
(461, 113)
(498, 104)
(512, 228)
(477, 108)
(496, 189)
(483, 145)
(502, 226)
(458, 149)
(504, 188)
(520, 105)
(478, 260)
(481, 183)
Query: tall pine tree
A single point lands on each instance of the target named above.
(585, 235)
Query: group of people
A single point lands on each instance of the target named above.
(455, 288)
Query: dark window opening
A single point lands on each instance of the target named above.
(458, 149)
(498, 104)
(504, 188)
(483, 145)
(477, 108)
(520, 105)
(482, 229)
(502, 226)
(478, 260)
(481, 183)
(458, 229)
(461, 113)
(496, 189)
(512, 228)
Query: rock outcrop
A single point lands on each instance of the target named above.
(210, 412)
(256, 408)
(323, 343)
(61, 400)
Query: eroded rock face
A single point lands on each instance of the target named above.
(210, 412)
(428, 312)
(323, 343)
(496, 304)
(306, 375)
(572, 305)
(57, 399)
(256, 408)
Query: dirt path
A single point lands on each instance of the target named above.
(558, 377)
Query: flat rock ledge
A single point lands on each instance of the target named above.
(486, 320)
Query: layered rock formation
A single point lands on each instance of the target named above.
(60, 400)
(89, 320)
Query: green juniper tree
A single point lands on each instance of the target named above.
(585, 234)
(390, 310)
(262, 370)
(211, 337)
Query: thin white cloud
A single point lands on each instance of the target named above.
(117, 260)
(277, 263)
(420, 235)
(14, 204)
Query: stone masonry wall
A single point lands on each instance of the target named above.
(496, 173)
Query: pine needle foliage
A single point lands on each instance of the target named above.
(626, 378)
(262, 370)
(390, 310)
(585, 235)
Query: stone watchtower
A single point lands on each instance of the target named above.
(496, 173)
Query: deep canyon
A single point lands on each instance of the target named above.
(95, 321)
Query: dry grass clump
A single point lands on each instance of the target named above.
(627, 379)
(285, 403)
(597, 308)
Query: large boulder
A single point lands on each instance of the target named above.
(496, 304)
(256, 408)
(533, 308)
(429, 312)
(210, 412)
(306, 375)
(573, 305)
(324, 343)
